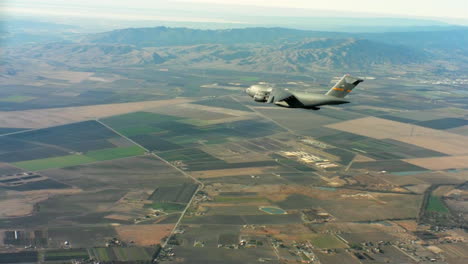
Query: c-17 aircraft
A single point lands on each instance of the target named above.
(286, 98)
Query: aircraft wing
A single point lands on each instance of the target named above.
(282, 96)
(287, 98)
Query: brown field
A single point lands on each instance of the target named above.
(119, 217)
(52, 74)
(409, 225)
(348, 227)
(232, 153)
(455, 253)
(229, 172)
(189, 111)
(341, 257)
(213, 109)
(463, 130)
(433, 139)
(369, 179)
(418, 188)
(288, 233)
(443, 190)
(448, 143)
(17, 207)
(427, 178)
(383, 109)
(22, 204)
(380, 128)
(361, 158)
(458, 234)
(144, 235)
(441, 163)
(281, 192)
(7, 169)
(41, 178)
(346, 204)
(59, 116)
(210, 115)
(70, 76)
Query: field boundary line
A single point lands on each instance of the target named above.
(200, 184)
(19, 132)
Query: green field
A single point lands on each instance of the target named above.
(196, 122)
(249, 78)
(115, 153)
(133, 254)
(100, 254)
(138, 130)
(113, 254)
(76, 159)
(435, 204)
(17, 99)
(50, 163)
(65, 254)
(327, 241)
(272, 210)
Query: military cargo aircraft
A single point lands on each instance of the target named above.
(283, 97)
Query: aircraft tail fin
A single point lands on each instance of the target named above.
(344, 86)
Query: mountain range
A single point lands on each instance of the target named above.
(256, 49)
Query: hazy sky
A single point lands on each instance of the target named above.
(428, 8)
(225, 10)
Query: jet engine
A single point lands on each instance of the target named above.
(261, 97)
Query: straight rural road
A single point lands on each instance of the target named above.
(200, 184)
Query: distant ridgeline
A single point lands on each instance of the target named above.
(261, 49)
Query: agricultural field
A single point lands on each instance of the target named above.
(49, 117)
(428, 138)
(74, 160)
(80, 236)
(112, 165)
(340, 257)
(435, 204)
(223, 102)
(327, 241)
(114, 254)
(174, 194)
(455, 253)
(64, 146)
(6, 169)
(166, 206)
(66, 255)
(8, 130)
(145, 171)
(21, 257)
(293, 119)
(444, 123)
(388, 165)
(35, 185)
(17, 99)
(231, 209)
(161, 133)
(144, 234)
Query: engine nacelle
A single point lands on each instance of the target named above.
(260, 97)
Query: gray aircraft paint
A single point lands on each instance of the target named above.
(281, 97)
